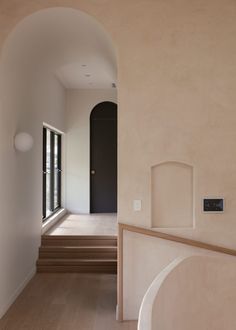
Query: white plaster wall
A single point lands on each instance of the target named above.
(21, 177)
(80, 103)
(25, 104)
(144, 258)
(177, 103)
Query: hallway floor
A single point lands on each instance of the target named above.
(66, 302)
(85, 224)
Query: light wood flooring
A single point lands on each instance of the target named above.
(86, 224)
(66, 302)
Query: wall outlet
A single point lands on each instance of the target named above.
(137, 205)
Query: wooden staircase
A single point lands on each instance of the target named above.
(78, 254)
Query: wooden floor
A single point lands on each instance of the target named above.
(66, 302)
(86, 224)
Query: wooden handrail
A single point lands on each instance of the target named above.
(157, 234)
(173, 238)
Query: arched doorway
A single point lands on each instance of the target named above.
(48, 55)
(56, 51)
(103, 158)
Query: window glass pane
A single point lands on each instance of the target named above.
(56, 172)
(51, 172)
(48, 175)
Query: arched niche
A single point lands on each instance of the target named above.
(172, 195)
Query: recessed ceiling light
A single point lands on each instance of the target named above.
(84, 65)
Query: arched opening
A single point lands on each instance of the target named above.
(55, 53)
(103, 158)
(50, 56)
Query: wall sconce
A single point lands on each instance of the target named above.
(23, 142)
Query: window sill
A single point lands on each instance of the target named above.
(52, 220)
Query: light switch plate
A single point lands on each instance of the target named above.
(137, 205)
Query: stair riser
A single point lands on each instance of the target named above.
(77, 269)
(78, 255)
(79, 242)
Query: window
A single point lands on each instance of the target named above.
(51, 172)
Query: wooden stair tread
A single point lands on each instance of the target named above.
(76, 261)
(78, 269)
(73, 237)
(78, 248)
(79, 241)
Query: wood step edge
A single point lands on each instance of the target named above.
(78, 270)
(50, 261)
(79, 237)
(83, 260)
(66, 248)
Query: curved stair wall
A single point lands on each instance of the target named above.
(194, 293)
(143, 254)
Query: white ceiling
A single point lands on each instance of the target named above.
(69, 43)
(86, 75)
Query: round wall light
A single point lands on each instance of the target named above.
(23, 141)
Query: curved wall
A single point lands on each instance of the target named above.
(196, 292)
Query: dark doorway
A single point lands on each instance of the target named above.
(103, 158)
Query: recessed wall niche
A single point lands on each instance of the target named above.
(172, 195)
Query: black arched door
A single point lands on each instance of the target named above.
(103, 158)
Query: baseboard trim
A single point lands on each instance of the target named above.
(17, 292)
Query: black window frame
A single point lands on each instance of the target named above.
(53, 208)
